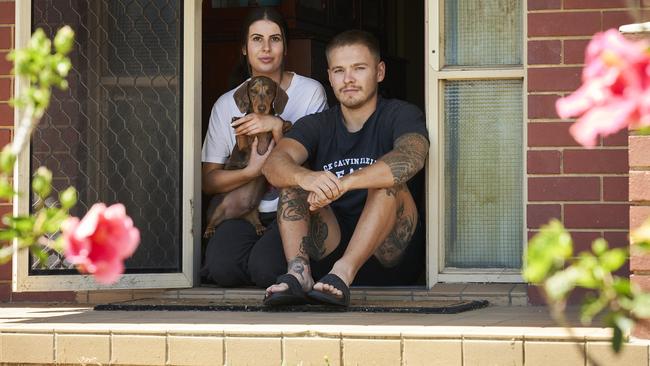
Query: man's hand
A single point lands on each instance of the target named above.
(255, 162)
(316, 202)
(324, 185)
(255, 123)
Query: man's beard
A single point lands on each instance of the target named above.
(358, 101)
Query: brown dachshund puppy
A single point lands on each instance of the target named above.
(258, 95)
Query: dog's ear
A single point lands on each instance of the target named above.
(280, 101)
(241, 98)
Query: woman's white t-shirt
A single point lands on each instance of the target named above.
(306, 96)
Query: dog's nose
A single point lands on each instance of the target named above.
(262, 108)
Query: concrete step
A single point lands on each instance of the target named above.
(497, 335)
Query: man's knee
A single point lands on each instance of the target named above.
(391, 251)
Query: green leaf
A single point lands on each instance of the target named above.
(40, 254)
(547, 252)
(561, 283)
(643, 246)
(7, 234)
(7, 160)
(613, 259)
(591, 306)
(621, 325)
(617, 340)
(588, 274)
(6, 189)
(622, 286)
(641, 305)
(21, 224)
(55, 216)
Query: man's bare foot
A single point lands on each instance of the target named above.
(299, 268)
(340, 270)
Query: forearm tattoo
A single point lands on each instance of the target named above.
(407, 156)
(293, 205)
(298, 265)
(314, 243)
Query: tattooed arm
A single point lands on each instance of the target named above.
(396, 167)
(283, 169)
(407, 157)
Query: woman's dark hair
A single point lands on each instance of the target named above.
(242, 71)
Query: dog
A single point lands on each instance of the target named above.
(258, 95)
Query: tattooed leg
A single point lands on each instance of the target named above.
(392, 248)
(304, 235)
(377, 222)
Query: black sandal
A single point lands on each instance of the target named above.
(327, 298)
(294, 295)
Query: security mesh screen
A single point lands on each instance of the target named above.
(115, 134)
(483, 174)
(483, 33)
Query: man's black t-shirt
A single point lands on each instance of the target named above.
(333, 148)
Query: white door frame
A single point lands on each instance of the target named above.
(191, 165)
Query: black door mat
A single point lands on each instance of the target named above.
(408, 306)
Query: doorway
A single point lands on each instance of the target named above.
(398, 25)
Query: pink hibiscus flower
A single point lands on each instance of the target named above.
(615, 93)
(99, 243)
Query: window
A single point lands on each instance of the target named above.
(476, 92)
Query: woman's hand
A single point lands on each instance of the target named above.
(255, 123)
(255, 162)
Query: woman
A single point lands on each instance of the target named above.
(235, 255)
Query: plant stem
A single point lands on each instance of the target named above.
(24, 130)
(557, 313)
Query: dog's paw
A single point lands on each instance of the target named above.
(208, 233)
(260, 229)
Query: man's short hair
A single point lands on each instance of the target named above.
(354, 37)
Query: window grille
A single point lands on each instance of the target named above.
(115, 134)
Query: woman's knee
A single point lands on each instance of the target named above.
(227, 254)
(267, 261)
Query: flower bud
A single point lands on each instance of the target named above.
(42, 182)
(63, 40)
(68, 198)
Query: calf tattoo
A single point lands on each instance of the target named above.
(292, 204)
(407, 156)
(298, 265)
(314, 243)
(390, 251)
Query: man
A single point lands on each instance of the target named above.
(348, 211)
